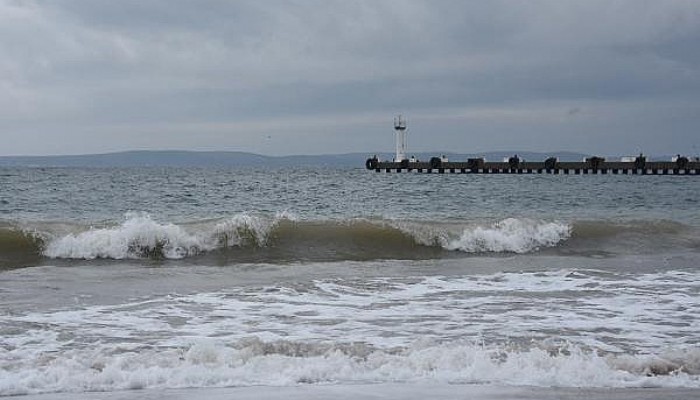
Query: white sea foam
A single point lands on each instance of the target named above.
(210, 363)
(141, 236)
(572, 328)
(511, 235)
(243, 229)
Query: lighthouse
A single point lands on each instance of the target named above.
(400, 128)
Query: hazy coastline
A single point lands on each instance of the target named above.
(171, 158)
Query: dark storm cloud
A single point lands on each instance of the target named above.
(326, 76)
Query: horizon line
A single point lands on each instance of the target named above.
(299, 155)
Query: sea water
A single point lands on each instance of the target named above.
(174, 278)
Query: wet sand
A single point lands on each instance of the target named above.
(384, 391)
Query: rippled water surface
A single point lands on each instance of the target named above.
(115, 279)
(179, 194)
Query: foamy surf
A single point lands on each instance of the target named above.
(510, 329)
(511, 235)
(139, 236)
(207, 364)
(283, 237)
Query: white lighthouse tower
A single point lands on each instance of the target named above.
(400, 128)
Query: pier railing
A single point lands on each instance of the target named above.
(591, 166)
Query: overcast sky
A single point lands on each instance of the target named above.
(310, 77)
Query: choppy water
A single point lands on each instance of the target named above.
(117, 279)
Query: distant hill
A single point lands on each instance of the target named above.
(180, 159)
(240, 159)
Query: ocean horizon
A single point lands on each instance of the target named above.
(181, 158)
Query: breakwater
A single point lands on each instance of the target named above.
(592, 165)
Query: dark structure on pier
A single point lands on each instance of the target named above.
(514, 165)
(592, 165)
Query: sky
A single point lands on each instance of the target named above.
(328, 76)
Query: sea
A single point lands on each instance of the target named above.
(316, 282)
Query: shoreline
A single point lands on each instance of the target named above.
(382, 391)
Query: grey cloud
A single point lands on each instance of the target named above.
(455, 68)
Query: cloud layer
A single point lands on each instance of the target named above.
(296, 77)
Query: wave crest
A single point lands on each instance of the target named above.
(245, 229)
(139, 236)
(511, 235)
(285, 238)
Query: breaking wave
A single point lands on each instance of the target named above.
(142, 237)
(511, 235)
(284, 237)
(206, 363)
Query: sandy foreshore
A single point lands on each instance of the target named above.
(383, 391)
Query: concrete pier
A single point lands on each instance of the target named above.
(591, 166)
